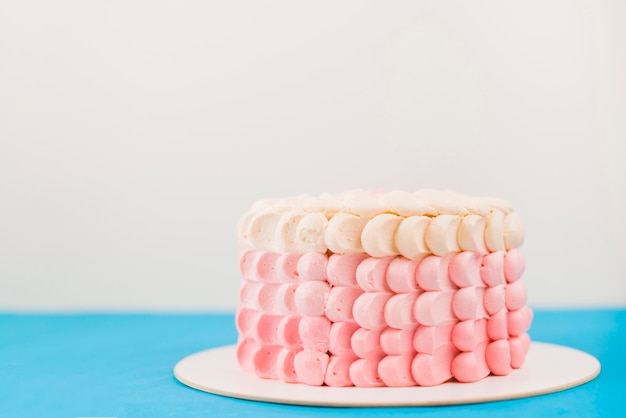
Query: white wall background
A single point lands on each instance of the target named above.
(134, 134)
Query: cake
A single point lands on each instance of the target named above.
(374, 288)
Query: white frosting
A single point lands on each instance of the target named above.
(494, 231)
(310, 233)
(410, 237)
(441, 234)
(404, 204)
(261, 229)
(285, 236)
(361, 203)
(343, 233)
(513, 231)
(378, 236)
(382, 224)
(471, 234)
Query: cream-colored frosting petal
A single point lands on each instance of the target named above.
(471, 234)
(410, 239)
(378, 236)
(514, 231)
(343, 233)
(441, 234)
(494, 231)
(310, 233)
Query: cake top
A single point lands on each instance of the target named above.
(412, 224)
(367, 204)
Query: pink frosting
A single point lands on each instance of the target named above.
(364, 372)
(265, 269)
(310, 366)
(312, 266)
(245, 348)
(340, 338)
(249, 294)
(338, 371)
(369, 309)
(464, 269)
(434, 369)
(515, 295)
(341, 268)
(310, 297)
(366, 343)
(349, 319)
(265, 328)
(467, 335)
(432, 273)
(247, 263)
(339, 303)
(492, 270)
(519, 348)
(428, 339)
(287, 267)
(519, 321)
(497, 325)
(288, 333)
(432, 308)
(494, 299)
(470, 366)
(468, 303)
(401, 275)
(268, 301)
(396, 370)
(264, 360)
(244, 320)
(285, 369)
(498, 356)
(514, 265)
(371, 274)
(397, 341)
(315, 333)
(286, 298)
(398, 311)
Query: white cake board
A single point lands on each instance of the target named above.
(548, 368)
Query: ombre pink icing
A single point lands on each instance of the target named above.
(341, 269)
(340, 339)
(383, 309)
(395, 370)
(366, 343)
(338, 371)
(397, 341)
(400, 275)
(436, 368)
(364, 372)
(312, 266)
(340, 302)
(371, 274)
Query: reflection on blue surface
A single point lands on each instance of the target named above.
(121, 365)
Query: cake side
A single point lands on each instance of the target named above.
(371, 316)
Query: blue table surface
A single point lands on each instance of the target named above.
(121, 365)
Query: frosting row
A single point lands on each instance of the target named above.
(383, 235)
(393, 273)
(383, 292)
(380, 310)
(316, 351)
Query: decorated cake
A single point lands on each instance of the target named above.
(382, 289)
